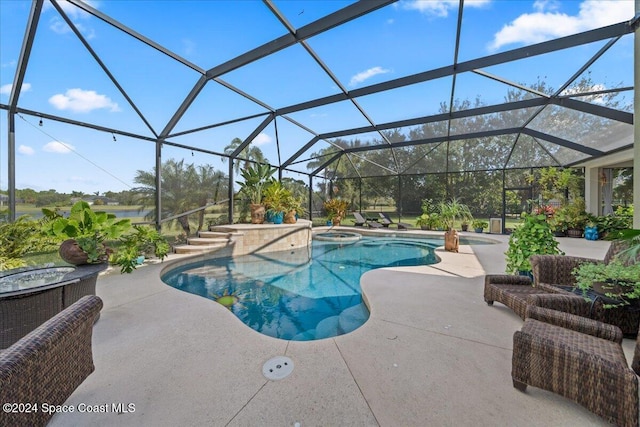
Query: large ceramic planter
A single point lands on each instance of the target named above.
(290, 217)
(451, 241)
(70, 252)
(257, 213)
(575, 232)
(274, 217)
(591, 233)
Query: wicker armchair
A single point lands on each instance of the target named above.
(550, 271)
(556, 269)
(580, 359)
(49, 363)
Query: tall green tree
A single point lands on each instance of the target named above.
(184, 187)
(248, 154)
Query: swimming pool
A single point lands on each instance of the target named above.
(301, 295)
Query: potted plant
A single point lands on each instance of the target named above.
(449, 213)
(533, 237)
(429, 217)
(591, 230)
(275, 200)
(336, 210)
(479, 225)
(615, 280)
(576, 218)
(256, 177)
(84, 232)
(292, 209)
(424, 221)
(134, 247)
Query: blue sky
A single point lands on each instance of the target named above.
(407, 37)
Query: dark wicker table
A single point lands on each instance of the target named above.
(25, 305)
(626, 317)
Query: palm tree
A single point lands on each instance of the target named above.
(248, 154)
(209, 183)
(183, 188)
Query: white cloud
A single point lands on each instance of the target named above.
(188, 46)
(261, 139)
(58, 147)
(71, 10)
(59, 26)
(542, 5)
(547, 23)
(440, 8)
(26, 150)
(6, 89)
(364, 75)
(82, 101)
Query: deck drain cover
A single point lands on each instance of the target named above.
(277, 368)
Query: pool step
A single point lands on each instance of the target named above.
(328, 328)
(207, 241)
(219, 273)
(349, 320)
(353, 317)
(210, 271)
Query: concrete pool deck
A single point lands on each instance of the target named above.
(432, 354)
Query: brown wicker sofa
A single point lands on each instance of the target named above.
(580, 359)
(48, 364)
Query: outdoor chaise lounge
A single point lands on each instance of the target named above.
(49, 363)
(361, 221)
(386, 221)
(580, 359)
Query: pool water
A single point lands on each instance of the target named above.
(300, 295)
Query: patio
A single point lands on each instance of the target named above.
(432, 354)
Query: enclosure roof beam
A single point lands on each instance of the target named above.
(327, 163)
(561, 141)
(301, 151)
(79, 123)
(102, 65)
(253, 136)
(527, 103)
(25, 54)
(95, 12)
(191, 96)
(595, 109)
(610, 31)
(321, 25)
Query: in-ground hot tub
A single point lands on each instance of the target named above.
(338, 236)
(32, 295)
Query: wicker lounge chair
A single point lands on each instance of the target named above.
(49, 363)
(580, 359)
